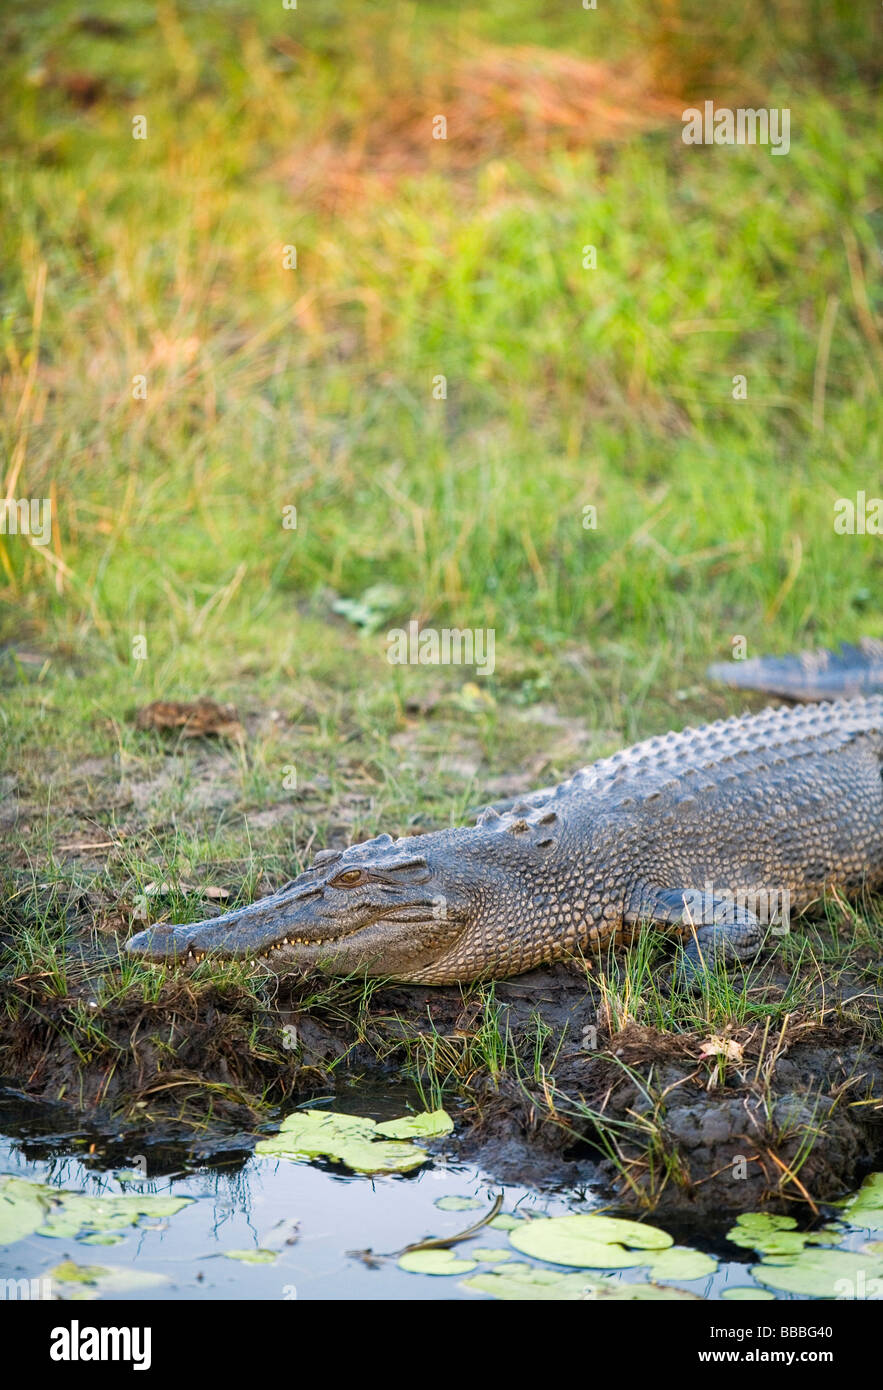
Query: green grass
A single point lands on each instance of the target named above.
(313, 387)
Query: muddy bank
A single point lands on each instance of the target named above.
(548, 1087)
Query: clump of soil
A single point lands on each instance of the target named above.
(676, 1122)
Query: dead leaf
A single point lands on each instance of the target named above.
(727, 1048)
(200, 718)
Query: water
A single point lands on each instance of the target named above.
(253, 1204)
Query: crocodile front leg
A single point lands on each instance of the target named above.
(716, 928)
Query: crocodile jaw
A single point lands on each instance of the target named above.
(378, 948)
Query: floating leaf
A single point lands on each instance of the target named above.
(22, 1209)
(762, 1223)
(389, 1156)
(427, 1125)
(823, 1273)
(106, 1239)
(526, 1282)
(460, 1204)
(348, 1139)
(490, 1254)
(95, 1280)
(679, 1262)
(70, 1273)
(866, 1207)
(320, 1124)
(505, 1222)
(71, 1215)
(61, 1228)
(435, 1262)
(252, 1257)
(745, 1293)
(775, 1235)
(589, 1242)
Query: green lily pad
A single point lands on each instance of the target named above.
(71, 1215)
(347, 1139)
(389, 1156)
(589, 1242)
(775, 1235)
(820, 1272)
(745, 1293)
(93, 1281)
(763, 1222)
(70, 1273)
(505, 1222)
(23, 1208)
(252, 1257)
(102, 1239)
(435, 1262)
(427, 1125)
(459, 1204)
(679, 1262)
(490, 1254)
(526, 1282)
(866, 1207)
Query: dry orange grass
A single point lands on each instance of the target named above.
(502, 102)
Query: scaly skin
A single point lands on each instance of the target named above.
(789, 801)
(820, 675)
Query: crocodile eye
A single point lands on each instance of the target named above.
(350, 878)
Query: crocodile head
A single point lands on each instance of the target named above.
(431, 908)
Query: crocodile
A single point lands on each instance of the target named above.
(715, 835)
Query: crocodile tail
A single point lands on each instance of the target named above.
(819, 675)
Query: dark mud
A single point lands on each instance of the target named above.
(795, 1116)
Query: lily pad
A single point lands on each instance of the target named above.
(98, 1214)
(821, 1273)
(435, 1262)
(389, 1156)
(490, 1254)
(746, 1293)
(526, 1282)
(866, 1207)
(93, 1281)
(71, 1215)
(775, 1235)
(679, 1262)
(347, 1139)
(589, 1242)
(252, 1257)
(505, 1222)
(427, 1125)
(23, 1209)
(460, 1204)
(70, 1273)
